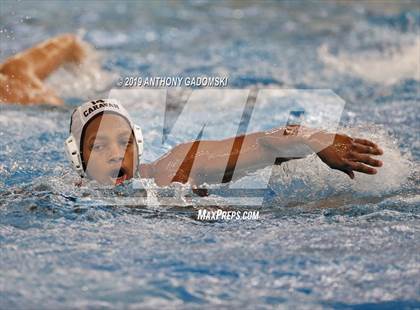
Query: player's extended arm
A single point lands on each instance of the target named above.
(259, 150)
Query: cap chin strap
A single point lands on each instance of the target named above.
(73, 152)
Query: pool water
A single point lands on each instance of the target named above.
(322, 240)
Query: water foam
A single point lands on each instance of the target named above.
(377, 67)
(84, 80)
(308, 180)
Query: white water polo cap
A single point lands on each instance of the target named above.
(81, 117)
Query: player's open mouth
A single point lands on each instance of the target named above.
(118, 176)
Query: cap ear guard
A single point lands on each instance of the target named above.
(138, 135)
(73, 154)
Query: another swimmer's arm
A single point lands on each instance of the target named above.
(45, 57)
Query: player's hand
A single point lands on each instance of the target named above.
(347, 154)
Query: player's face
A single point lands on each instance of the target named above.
(109, 149)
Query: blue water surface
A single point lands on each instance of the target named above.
(322, 240)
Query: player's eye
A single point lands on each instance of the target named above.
(125, 142)
(97, 147)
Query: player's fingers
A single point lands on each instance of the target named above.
(366, 149)
(360, 167)
(365, 142)
(349, 173)
(364, 158)
(373, 146)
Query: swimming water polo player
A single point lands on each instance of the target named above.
(105, 145)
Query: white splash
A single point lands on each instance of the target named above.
(84, 80)
(317, 179)
(377, 67)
